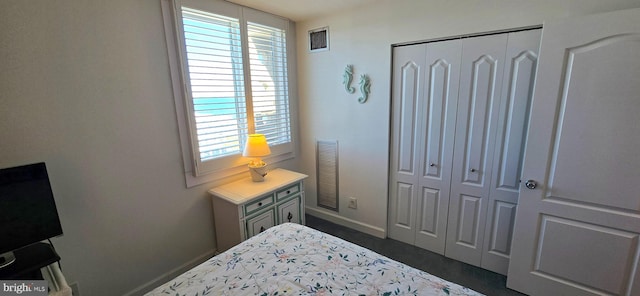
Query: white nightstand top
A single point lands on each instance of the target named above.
(243, 190)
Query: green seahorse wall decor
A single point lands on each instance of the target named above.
(365, 88)
(348, 78)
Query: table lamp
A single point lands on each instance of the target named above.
(256, 147)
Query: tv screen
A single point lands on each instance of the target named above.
(28, 211)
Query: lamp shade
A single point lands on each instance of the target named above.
(256, 146)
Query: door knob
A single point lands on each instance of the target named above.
(531, 184)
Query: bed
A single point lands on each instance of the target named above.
(292, 259)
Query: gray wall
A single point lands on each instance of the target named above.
(85, 87)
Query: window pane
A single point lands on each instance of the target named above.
(214, 58)
(269, 85)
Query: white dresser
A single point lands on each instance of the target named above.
(244, 208)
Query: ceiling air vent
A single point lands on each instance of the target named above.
(319, 39)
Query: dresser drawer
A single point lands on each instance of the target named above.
(288, 191)
(258, 204)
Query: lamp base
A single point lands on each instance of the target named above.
(258, 173)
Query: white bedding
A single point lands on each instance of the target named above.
(292, 259)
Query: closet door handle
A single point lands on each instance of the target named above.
(472, 170)
(432, 164)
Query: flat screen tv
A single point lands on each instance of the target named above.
(28, 211)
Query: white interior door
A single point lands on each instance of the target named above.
(576, 233)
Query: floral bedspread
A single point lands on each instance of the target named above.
(292, 259)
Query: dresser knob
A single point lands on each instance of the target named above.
(289, 217)
(261, 228)
(259, 204)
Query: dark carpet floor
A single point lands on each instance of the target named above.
(478, 279)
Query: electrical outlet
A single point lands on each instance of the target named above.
(75, 289)
(353, 203)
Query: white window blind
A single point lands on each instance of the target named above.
(223, 109)
(268, 64)
(214, 57)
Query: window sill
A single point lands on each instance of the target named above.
(234, 173)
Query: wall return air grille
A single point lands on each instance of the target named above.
(327, 174)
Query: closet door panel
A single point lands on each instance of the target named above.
(517, 89)
(408, 119)
(408, 89)
(480, 97)
(436, 106)
(403, 206)
(478, 107)
(469, 217)
(520, 69)
(504, 215)
(439, 114)
(428, 204)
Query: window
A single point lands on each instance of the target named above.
(233, 62)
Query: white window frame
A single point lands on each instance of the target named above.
(228, 166)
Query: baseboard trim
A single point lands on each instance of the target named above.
(346, 222)
(165, 277)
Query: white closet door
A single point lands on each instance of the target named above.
(425, 85)
(517, 88)
(478, 107)
(439, 114)
(408, 89)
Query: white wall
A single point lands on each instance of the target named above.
(363, 37)
(85, 87)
